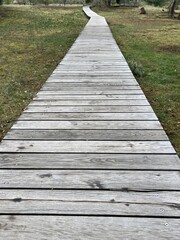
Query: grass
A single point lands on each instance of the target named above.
(33, 41)
(151, 45)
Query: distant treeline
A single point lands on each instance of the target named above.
(45, 2)
(64, 2)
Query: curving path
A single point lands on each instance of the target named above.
(88, 158)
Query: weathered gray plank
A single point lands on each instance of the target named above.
(99, 79)
(89, 161)
(56, 86)
(110, 55)
(107, 72)
(76, 80)
(94, 68)
(90, 196)
(86, 97)
(127, 102)
(94, 62)
(87, 81)
(80, 228)
(87, 125)
(89, 109)
(95, 73)
(89, 202)
(129, 116)
(156, 147)
(100, 57)
(91, 179)
(110, 135)
(93, 92)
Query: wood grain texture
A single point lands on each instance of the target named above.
(89, 161)
(126, 102)
(153, 147)
(92, 92)
(73, 124)
(86, 97)
(89, 202)
(80, 228)
(91, 179)
(89, 109)
(106, 81)
(56, 86)
(105, 135)
(136, 125)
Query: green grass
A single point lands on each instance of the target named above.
(33, 41)
(151, 45)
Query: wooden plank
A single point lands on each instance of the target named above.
(93, 48)
(91, 64)
(91, 179)
(90, 108)
(89, 161)
(86, 97)
(99, 70)
(100, 54)
(99, 78)
(100, 58)
(103, 82)
(94, 85)
(82, 227)
(132, 113)
(91, 57)
(124, 71)
(58, 87)
(87, 125)
(93, 67)
(128, 147)
(96, 54)
(110, 135)
(67, 60)
(106, 44)
(119, 102)
(77, 202)
(121, 72)
(126, 81)
(114, 79)
(77, 92)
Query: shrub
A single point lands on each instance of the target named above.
(136, 68)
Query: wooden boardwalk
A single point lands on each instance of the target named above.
(88, 158)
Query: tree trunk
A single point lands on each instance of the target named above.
(172, 8)
(109, 3)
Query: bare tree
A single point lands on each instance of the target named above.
(172, 8)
